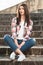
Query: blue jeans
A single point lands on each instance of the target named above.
(28, 44)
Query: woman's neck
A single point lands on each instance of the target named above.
(22, 18)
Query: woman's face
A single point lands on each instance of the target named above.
(21, 10)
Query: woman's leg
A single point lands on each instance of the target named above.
(11, 43)
(13, 46)
(28, 44)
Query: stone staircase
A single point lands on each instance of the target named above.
(35, 53)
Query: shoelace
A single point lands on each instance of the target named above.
(17, 56)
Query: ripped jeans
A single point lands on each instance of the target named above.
(10, 41)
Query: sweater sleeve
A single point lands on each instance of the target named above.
(29, 30)
(13, 27)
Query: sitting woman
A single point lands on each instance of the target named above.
(21, 28)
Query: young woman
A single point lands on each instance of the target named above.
(21, 28)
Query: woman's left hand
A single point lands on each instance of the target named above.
(21, 44)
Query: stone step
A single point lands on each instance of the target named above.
(2, 33)
(6, 58)
(8, 27)
(30, 60)
(35, 22)
(6, 16)
(34, 33)
(12, 15)
(35, 50)
(5, 27)
(36, 47)
(8, 22)
(39, 41)
(4, 23)
(36, 16)
(38, 22)
(37, 28)
(37, 34)
(5, 20)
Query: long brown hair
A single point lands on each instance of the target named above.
(26, 15)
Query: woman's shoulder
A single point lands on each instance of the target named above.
(14, 19)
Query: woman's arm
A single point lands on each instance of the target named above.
(29, 29)
(16, 42)
(13, 28)
(21, 44)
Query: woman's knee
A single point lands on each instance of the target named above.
(6, 36)
(34, 41)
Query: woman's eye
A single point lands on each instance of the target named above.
(21, 8)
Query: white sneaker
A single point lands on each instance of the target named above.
(21, 57)
(12, 56)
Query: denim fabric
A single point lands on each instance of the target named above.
(10, 42)
(29, 43)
